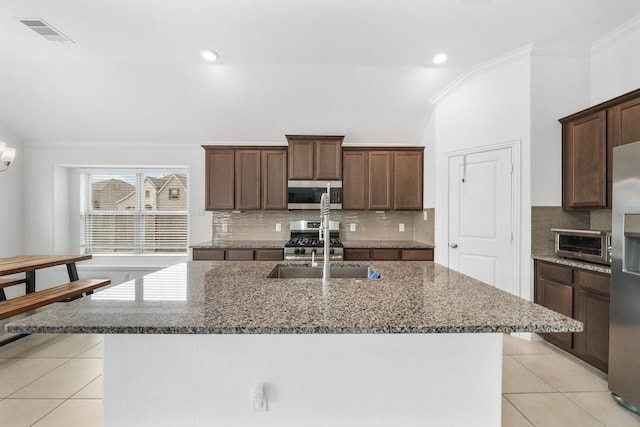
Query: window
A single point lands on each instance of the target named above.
(116, 218)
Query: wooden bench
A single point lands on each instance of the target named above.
(38, 299)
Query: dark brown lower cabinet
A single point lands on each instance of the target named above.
(388, 254)
(219, 254)
(584, 296)
(269, 254)
(206, 254)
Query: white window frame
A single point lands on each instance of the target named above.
(139, 213)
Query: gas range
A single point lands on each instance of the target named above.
(304, 241)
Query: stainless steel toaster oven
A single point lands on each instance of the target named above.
(587, 245)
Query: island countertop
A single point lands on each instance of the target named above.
(238, 298)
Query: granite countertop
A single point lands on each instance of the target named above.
(382, 244)
(600, 268)
(238, 298)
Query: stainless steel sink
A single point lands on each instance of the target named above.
(308, 272)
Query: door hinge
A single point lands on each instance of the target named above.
(512, 169)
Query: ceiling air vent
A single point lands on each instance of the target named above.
(45, 30)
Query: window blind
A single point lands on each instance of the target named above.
(133, 211)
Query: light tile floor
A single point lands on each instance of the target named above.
(544, 386)
(56, 380)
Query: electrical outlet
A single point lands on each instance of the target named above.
(278, 227)
(225, 228)
(401, 228)
(259, 398)
(424, 215)
(352, 227)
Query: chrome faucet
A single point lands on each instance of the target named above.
(324, 234)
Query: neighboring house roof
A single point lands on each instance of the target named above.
(127, 190)
(160, 183)
(110, 192)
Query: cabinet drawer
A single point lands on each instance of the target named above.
(208, 254)
(386, 254)
(555, 272)
(269, 255)
(417, 254)
(357, 254)
(240, 255)
(595, 282)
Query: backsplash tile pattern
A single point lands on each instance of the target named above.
(600, 219)
(425, 229)
(544, 218)
(261, 225)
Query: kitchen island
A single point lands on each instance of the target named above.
(187, 345)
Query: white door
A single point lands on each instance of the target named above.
(481, 217)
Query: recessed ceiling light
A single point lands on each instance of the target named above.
(440, 58)
(210, 55)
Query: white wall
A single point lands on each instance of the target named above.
(559, 87)
(490, 106)
(53, 203)
(615, 62)
(12, 199)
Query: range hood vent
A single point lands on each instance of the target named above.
(45, 30)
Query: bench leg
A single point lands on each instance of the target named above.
(30, 281)
(73, 272)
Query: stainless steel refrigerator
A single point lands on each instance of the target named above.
(624, 338)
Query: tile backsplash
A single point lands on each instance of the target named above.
(369, 225)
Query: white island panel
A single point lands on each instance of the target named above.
(310, 380)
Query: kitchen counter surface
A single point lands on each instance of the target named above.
(240, 244)
(382, 244)
(237, 298)
(574, 263)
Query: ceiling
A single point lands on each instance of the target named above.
(361, 68)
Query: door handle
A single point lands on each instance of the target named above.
(454, 245)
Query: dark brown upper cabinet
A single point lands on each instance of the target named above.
(355, 180)
(382, 178)
(585, 162)
(315, 157)
(220, 179)
(407, 180)
(588, 138)
(252, 178)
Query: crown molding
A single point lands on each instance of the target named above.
(619, 33)
(507, 58)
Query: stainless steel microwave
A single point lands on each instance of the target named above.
(587, 245)
(307, 194)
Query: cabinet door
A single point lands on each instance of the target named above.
(380, 180)
(301, 155)
(592, 309)
(247, 177)
(328, 159)
(269, 255)
(592, 345)
(417, 254)
(220, 169)
(356, 254)
(625, 122)
(386, 254)
(585, 162)
(354, 180)
(407, 180)
(554, 290)
(274, 179)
